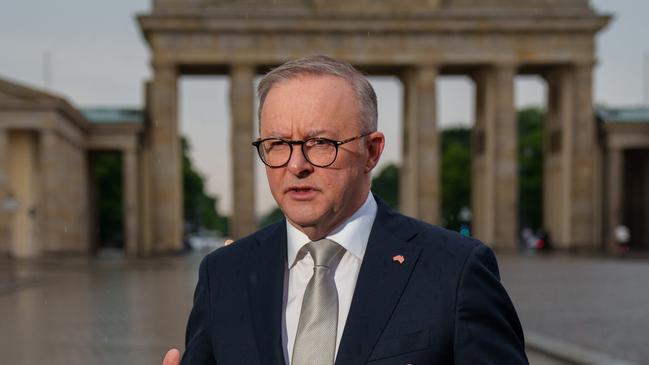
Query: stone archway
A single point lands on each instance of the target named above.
(416, 40)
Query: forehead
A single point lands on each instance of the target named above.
(307, 103)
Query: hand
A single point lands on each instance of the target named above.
(172, 357)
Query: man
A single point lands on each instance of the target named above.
(343, 278)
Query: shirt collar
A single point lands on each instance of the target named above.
(352, 234)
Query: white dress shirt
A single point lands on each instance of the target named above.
(352, 235)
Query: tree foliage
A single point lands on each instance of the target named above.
(106, 169)
(530, 129)
(199, 208)
(455, 175)
(386, 185)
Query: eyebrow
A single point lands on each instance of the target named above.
(315, 133)
(310, 134)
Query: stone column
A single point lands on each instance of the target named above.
(145, 190)
(495, 184)
(242, 97)
(420, 180)
(24, 186)
(4, 191)
(615, 194)
(506, 163)
(130, 201)
(572, 208)
(482, 159)
(557, 174)
(166, 173)
(585, 227)
(48, 207)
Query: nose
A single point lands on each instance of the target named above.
(298, 164)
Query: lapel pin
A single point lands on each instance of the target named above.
(228, 242)
(399, 259)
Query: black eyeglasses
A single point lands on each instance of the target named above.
(320, 152)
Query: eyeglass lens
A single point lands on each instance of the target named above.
(318, 151)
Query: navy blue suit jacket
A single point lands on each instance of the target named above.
(443, 305)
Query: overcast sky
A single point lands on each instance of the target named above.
(97, 57)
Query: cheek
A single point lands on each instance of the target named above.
(336, 183)
(274, 177)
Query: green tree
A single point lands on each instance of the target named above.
(199, 208)
(530, 129)
(386, 185)
(456, 175)
(107, 181)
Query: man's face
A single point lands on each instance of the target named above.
(317, 199)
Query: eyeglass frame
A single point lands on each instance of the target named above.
(291, 143)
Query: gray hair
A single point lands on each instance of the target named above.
(323, 65)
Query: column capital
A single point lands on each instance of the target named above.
(242, 67)
(585, 64)
(164, 69)
(428, 67)
(130, 148)
(421, 74)
(505, 65)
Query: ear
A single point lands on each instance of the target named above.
(375, 143)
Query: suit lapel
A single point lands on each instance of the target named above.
(380, 284)
(267, 262)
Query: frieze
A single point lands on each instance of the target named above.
(394, 49)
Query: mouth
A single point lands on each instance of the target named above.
(301, 192)
(299, 189)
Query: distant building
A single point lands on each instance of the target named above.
(624, 142)
(594, 172)
(46, 201)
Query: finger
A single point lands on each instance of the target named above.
(172, 357)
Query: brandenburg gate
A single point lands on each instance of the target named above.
(491, 41)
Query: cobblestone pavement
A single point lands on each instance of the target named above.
(118, 311)
(596, 303)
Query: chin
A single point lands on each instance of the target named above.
(303, 218)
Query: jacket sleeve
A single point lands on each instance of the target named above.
(487, 329)
(198, 349)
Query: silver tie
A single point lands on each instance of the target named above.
(315, 340)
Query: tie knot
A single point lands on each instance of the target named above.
(325, 252)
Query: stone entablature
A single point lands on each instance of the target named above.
(392, 8)
(209, 42)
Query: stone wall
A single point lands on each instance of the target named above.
(65, 198)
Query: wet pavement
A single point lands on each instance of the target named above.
(130, 311)
(85, 311)
(600, 304)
